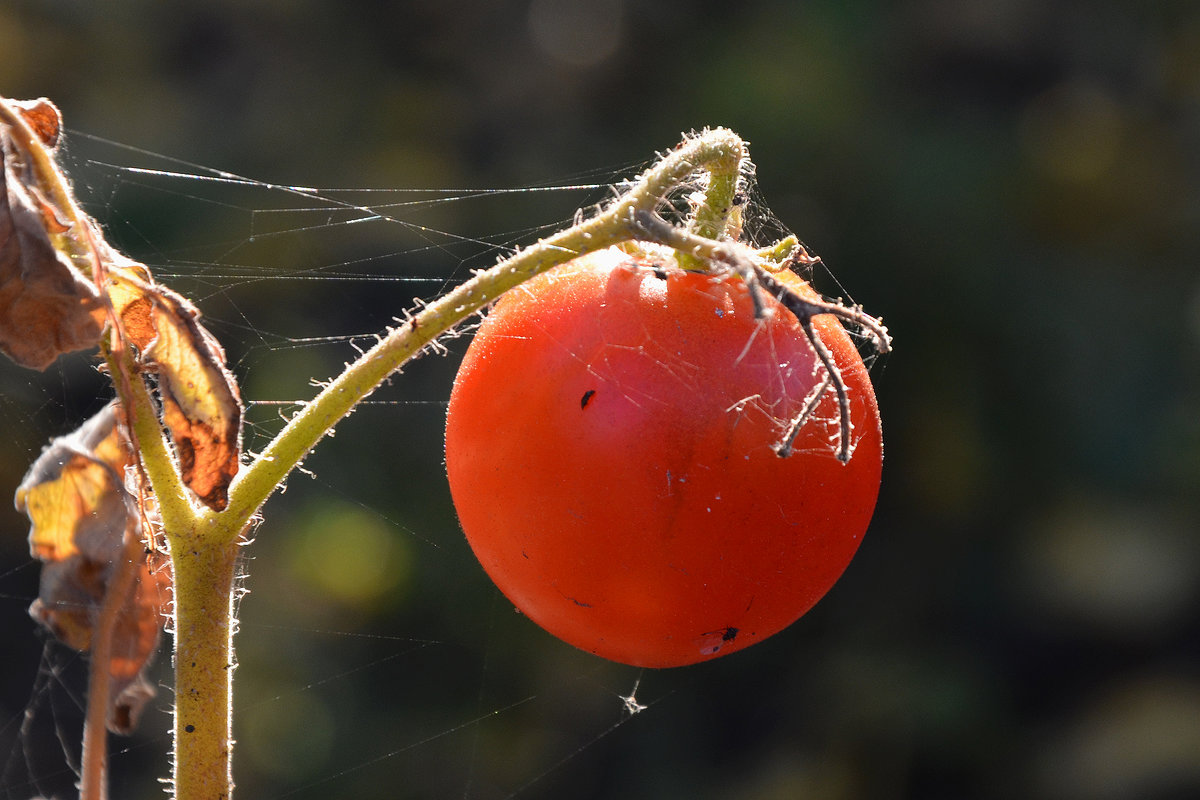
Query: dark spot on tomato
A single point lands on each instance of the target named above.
(189, 728)
(713, 642)
(587, 398)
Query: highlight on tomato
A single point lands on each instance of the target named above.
(655, 465)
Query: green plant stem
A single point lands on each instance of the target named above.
(204, 562)
(203, 557)
(204, 543)
(175, 508)
(718, 213)
(718, 150)
(204, 622)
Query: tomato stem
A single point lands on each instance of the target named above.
(718, 214)
(204, 569)
(719, 150)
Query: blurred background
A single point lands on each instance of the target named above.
(1014, 185)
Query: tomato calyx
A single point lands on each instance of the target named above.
(750, 267)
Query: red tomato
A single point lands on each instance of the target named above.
(609, 445)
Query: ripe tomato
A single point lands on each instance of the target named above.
(609, 446)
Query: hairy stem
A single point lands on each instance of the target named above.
(146, 434)
(204, 624)
(203, 562)
(715, 149)
(718, 215)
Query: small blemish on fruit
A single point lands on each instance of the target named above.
(580, 603)
(587, 398)
(189, 728)
(711, 643)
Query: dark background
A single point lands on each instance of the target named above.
(1012, 184)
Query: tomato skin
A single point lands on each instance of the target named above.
(609, 446)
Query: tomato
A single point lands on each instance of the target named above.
(609, 446)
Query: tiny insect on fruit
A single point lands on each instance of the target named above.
(612, 445)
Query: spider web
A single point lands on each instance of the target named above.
(375, 659)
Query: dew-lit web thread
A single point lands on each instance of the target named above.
(413, 645)
(371, 212)
(393, 752)
(48, 684)
(337, 213)
(333, 212)
(238, 274)
(630, 709)
(368, 213)
(244, 274)
(356, 212)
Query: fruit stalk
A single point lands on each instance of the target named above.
(720, 151)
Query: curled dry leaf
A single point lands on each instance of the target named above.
(201, 405)
(82, 516)
(46, 307)
(42, 117)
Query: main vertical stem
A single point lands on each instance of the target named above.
(204, 573)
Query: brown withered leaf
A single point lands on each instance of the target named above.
(81, 513)
(201, 405)
(130, 289)
(42, 117)
(46, 307)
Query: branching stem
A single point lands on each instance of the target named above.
(203, 542)
(719, 149)
(741, 260)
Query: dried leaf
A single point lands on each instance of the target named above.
(42, 117)
(46, 307)
(81, 514)
(130, 291)
(201, 405)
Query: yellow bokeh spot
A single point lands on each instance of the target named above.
(350, 555)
